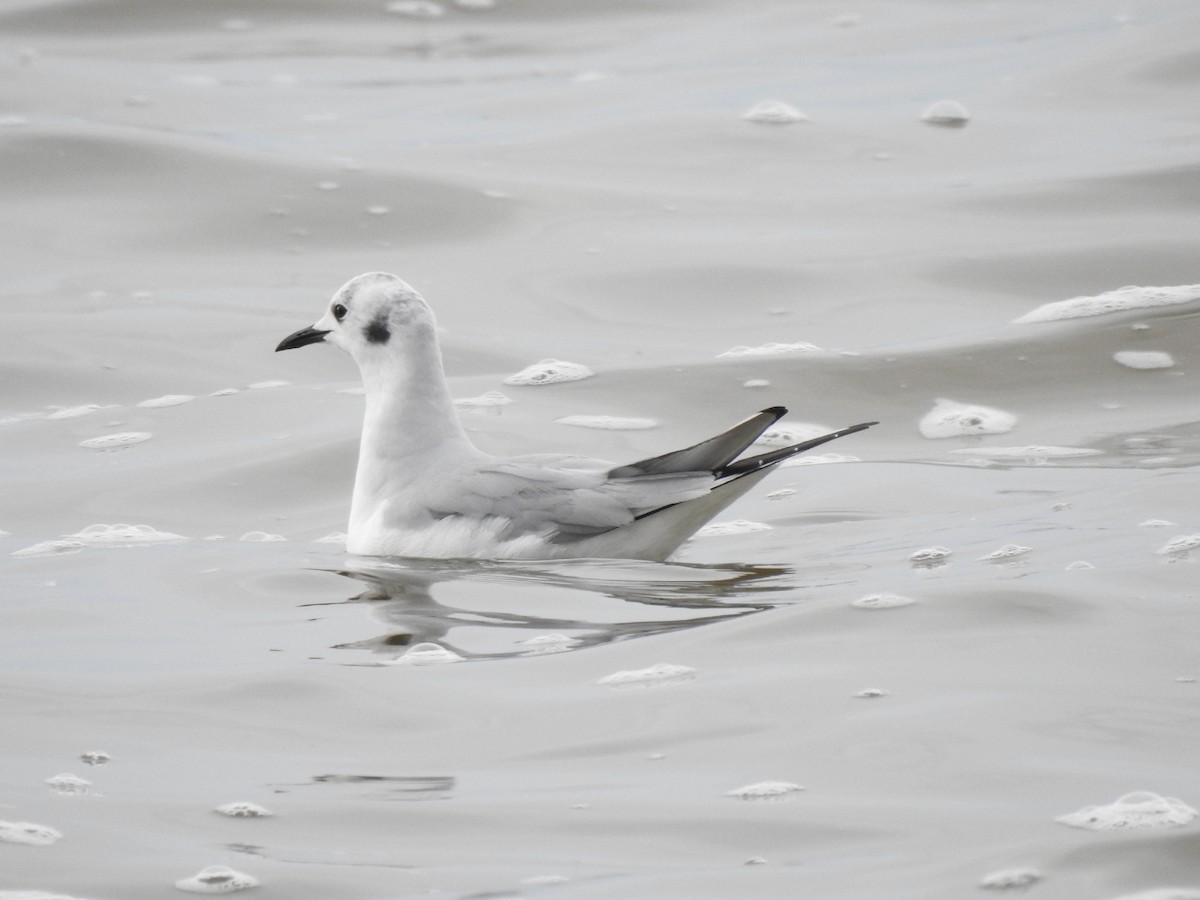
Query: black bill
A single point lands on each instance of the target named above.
(301, 338)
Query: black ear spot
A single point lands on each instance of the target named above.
(378, 332)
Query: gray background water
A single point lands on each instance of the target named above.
(186, 183)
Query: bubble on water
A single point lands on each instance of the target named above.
(491, 398)
(426, 653)
(1008, 551)
(756, 383)
(765, 790)
(1079, 564)
(770, 349)
(28, 833)
(243, 809)
(1139, 809)
(116, 441)
(1179, 544)
(1164, 893)
(46, 548)
(217, 880)
(949, 418)
(166, 400)
(931, 555)
(1032, 452)
(1006, 879)
(550, 371)
(95, 757)
(1155, 523)
(334, 537)
(791, 433)
(653, 676)
(781, 494)
(871, 693)
(417, 9)
(67, 784)
(261, 536)
(774, 112)
(264, 385)
(122, 533)
(608, 423)
(1120, 300)
(1144, 359)
(731, 527)
(882, 601)
(947, 113)
(72, 412)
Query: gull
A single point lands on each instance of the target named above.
(422, 489)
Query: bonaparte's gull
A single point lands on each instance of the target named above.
(424, 490)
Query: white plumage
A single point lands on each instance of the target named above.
(424, 490)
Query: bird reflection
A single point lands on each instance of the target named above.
(424, 629)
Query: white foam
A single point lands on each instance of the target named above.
(122, 533)
(261, 536)
(1144, 359)
(774, 112)
(33, 895)
(1006, 879)
(949, 418)
(217, 880)
(931, 554)
(765, 790)
(95, 757)
(68, 784)
(550, 643)
(46, 548)
(550, 371)
(167, 400)
(426, 653)
(734, 526)
(1163, 893)
(1121, 300)
(946, 112)
(73, 412)
(882, 601)
(792, 433)
(1006, 552)
(608, 423)
(334, 537)
(818, 459)
(243, 809)
(1078, 565)
(1033, 451)
(1179, 544)
(1155, 523)
(871, 693)
(224, 392)
(770, 349)
(756, 383)
(266, 385)
(28, 833)
(781, 494)
(653, 676)
(116, 441)
(418, 9)
(1140, 809)
(491, 398)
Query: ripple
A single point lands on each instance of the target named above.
(426, 653)
(734, 526)
(774, 112)
(167, 400)
(28, 833)
(608, 423)
(882, 601)
(1006, 879)
(771, 349)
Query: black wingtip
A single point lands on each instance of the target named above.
(777, 411)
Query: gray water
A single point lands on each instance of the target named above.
(184, 184)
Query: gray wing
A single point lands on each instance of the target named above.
(561, 496)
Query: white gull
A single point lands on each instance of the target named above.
(424, 490)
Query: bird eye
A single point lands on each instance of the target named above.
(339, 311)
